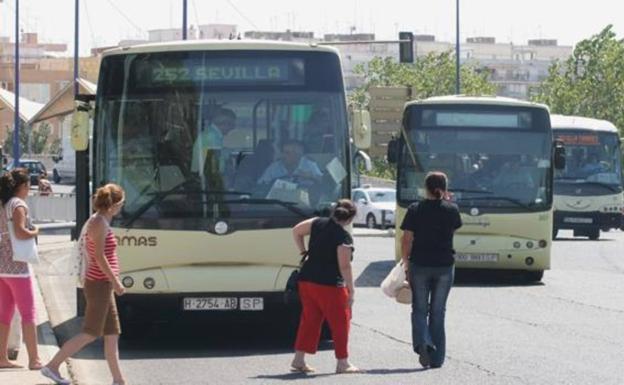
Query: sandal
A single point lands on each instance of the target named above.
(302, 369)
(349, 370)
(11, 365)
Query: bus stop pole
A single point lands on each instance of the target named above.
(16, 131)
(457, 68)
(184, 19)
(82, 157)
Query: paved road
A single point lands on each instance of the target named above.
(568, 330)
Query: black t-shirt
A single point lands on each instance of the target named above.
(321, 266)
(433, 222)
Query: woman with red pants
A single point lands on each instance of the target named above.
(325, 285)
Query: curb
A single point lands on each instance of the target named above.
(48, 345)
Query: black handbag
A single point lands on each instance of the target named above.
(292, 293)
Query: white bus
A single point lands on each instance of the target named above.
(588, 191)
(203, 137)
(499, 156)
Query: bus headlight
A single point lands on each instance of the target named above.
(127, 281)
(529, 261)
(516, 245)
(529, 245)
(542, 243)
(149, 283)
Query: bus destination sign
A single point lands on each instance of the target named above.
(234, 72)
(579, 140)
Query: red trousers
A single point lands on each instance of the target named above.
(319, 303)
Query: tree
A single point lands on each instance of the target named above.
(23, 139)
(430, 75)
(39, 138)
(590, 82)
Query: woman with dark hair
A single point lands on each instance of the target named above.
(325, 285)
(428, 256)
(16, 286)
(100, 286)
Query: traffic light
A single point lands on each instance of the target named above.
(406, 48)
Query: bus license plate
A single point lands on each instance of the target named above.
(577, 220)
(210, 303)
(476, 257)
(251, 303)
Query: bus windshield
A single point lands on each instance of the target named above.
(257, 138)
(494, 159)
(592, 158)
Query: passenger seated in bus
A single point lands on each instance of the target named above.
(211, 138)
(293, 167)
(316, 130)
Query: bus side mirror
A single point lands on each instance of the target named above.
(361, 126)
(393, 151)
(80, 127)
(560, 159)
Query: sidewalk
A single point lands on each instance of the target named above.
(47, 348)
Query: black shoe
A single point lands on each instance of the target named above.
(423, 356)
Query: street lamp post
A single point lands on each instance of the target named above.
(16, 142)
(457, 72)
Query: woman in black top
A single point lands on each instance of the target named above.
(325, 285)
(428, 255)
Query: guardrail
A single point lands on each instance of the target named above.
(53, 207)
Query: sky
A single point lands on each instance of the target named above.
(105, 22)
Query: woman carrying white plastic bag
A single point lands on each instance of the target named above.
(16, 286)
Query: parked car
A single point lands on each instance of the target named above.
(35, 169)
(375, 206)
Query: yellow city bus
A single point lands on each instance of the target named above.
(498, 154)
(204, 137)
(588, 191)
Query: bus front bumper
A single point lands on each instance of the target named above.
(587, 220)
(243, 307)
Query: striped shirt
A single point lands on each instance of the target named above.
(94, 273)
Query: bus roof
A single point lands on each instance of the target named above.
(486, 100)
(219, 45)
(560, 122)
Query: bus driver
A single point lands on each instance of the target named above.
(292, 167)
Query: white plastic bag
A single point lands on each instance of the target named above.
(24, 250)
(80, 257)
(15, 336)
(394, 281)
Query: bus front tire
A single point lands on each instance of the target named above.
(594, 234)
(534, 276)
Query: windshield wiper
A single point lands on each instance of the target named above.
(515, 201)
(160, 196)
(290, 206)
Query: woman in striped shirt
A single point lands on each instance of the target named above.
(101, 283)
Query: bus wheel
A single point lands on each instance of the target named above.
(534, 276)
(594, 234)
(371, 223)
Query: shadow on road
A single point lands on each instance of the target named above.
(193, 341)
(303, 376)
(375, 272)
(576, 239)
